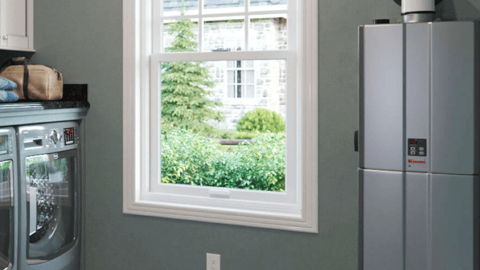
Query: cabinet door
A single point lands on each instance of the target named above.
(16, 24)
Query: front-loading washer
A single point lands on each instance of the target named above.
(49, 158)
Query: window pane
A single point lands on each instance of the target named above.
(239, 76)
(250, 91)
(180, 35)
(201, 124)
(231, 91)
(231, 76)
(268, 34)
(222, 6)
(174, 7)
(264, 5)
(250, 76)
(224, 35)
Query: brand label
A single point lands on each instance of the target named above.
(416, 161)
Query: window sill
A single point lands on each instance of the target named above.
(260, 219)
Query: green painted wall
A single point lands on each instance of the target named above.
(83, 39)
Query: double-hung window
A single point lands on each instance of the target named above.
(261, 51)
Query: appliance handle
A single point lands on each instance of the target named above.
(355, 140)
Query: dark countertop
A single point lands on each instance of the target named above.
(73, 106)
(42, 105)
(26, 113)
(74, 96)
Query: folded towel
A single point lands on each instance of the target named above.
(6, 84)
(8, 96)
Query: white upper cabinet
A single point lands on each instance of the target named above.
(16, 25)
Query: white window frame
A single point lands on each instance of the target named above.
(298, 211)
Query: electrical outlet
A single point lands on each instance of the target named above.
(213, 261)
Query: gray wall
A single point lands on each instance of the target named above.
(84, 40)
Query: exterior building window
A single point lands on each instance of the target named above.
(192, 70)
(241, 79)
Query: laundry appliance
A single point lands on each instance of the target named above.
(8, 199)
(419, 143)
(50, 204)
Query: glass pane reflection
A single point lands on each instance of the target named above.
(50, 204)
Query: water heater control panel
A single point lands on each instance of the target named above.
(417, 147)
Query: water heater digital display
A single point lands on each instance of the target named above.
(417, 147)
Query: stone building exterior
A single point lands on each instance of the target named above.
(242, 86)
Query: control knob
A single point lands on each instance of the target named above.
(55, 136)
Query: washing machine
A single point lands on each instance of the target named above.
(49, 186)
(8, 199)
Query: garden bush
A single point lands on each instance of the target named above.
(189, 158)
(261, 120)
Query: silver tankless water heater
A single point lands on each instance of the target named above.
(419, 146)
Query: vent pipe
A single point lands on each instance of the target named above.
(418, 6)
(414, 11)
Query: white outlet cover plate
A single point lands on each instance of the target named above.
(213, 261)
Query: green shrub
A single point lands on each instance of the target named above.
(189, 158)
(261, 120)
(184, 155)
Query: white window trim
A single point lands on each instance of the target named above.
(137, 198)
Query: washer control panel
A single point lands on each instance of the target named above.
(417, 147)
(62, 136)
(69, 135)
(54, 137)
(6, 146)
(50, 136)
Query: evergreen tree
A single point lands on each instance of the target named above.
(185, 102)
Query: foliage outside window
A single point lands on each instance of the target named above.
(189, 152)
(185, 102)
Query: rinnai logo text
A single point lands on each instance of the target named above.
(416, 161)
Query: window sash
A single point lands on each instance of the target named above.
(241, 199)
(158, 18)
